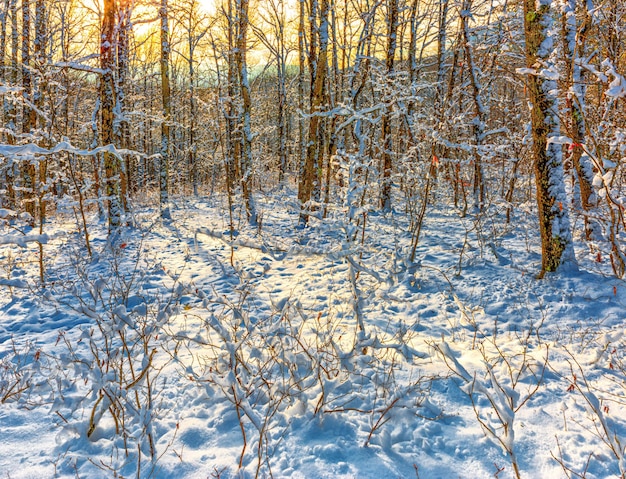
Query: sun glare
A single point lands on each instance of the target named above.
(208, 5)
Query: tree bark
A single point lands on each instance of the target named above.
(478, 124)
(28, 113)
(554, 226)
(246, 109)
(167, 112)
(107, 114)
(392, 30)
(573, 49)
(309, 180)
(122, 125)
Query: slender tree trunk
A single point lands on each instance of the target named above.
(167, 112)
(478, 124)
(281, 56)
(11, 113)
(233, 152)
(302, 123)
(412, 57)
(39, 51)
(439, 117)
(122, 125)
(334, 86)
(9, 75)
(573, 50)
(439, 100)
(192, 40)
(310, 177)
(4, 13)
(246, 109)
(554, 226)
(107, 114)
(392, 31)
(28, 113)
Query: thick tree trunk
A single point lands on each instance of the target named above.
(554, 226)
(107, 112)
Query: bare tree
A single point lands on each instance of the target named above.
(195, 28)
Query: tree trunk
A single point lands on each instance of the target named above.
(573, 50)
(302, 124)
(39, 50)
(28, 114)
(246, 108)
(554, 226)
(309, 180)
(392, 29)
(167, 111)
(9, 75)
(233, 150)
(107, 114)
(478, 124)
(122, 125)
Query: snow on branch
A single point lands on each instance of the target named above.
(23, 240)
(80, 67)
(617, 87)
(30, 150)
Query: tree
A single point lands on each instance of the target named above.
(245, 112)
(572, 87)
(318, 65)
(121, 123)
(554, 226)
(167, 111)
(478, 123)
(28, 113)
(392, 31)
(107, 113)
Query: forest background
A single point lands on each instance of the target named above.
(387, 97)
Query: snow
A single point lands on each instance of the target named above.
(220, 356)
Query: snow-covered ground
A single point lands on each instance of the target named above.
(182, 351)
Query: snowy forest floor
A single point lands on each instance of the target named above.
(182, 351)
